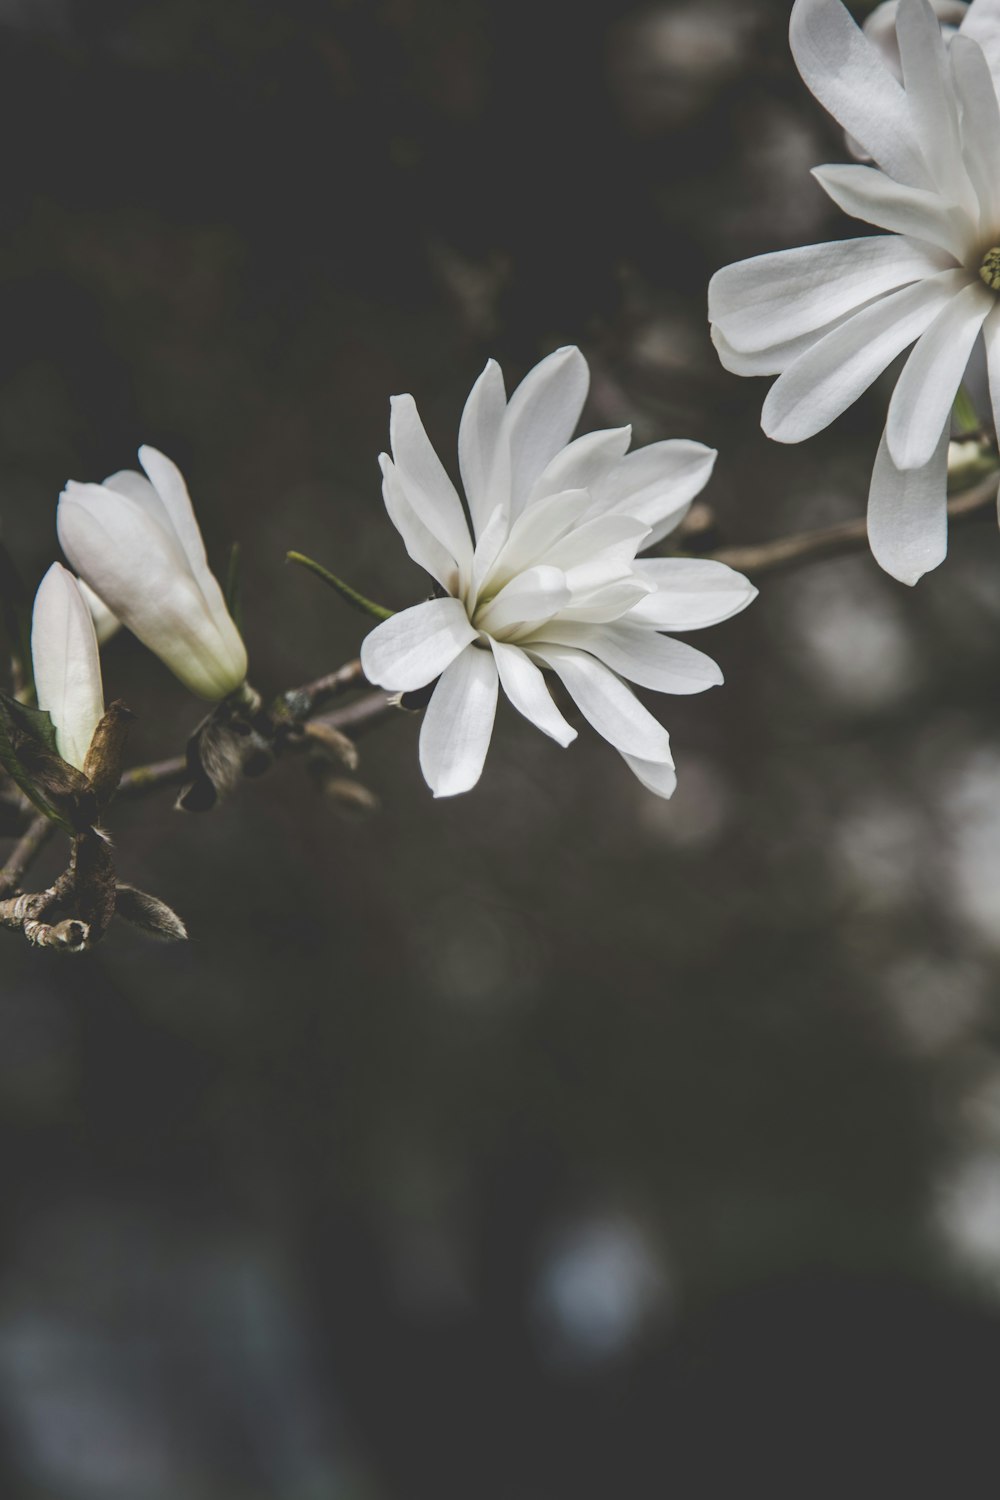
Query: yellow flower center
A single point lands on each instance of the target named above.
(989, 270)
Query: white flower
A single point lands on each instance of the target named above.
(66, 663)
(548, 579)
(136, 542)
(828, 319)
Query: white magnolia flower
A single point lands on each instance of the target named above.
(66, 663)
(548, 579)
(136, 542)
(828, 319)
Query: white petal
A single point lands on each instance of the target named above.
(927, 82)
(991, 338)
(483, 457)
(831, 375)
(532, 596)
(868, 194)
(848, 77)
(980, 122)
(541, 416)
(925, 392)
(67, 664)
(982, 25)
(773, 298)
(908, 513)
(539, 527)
(105, 623)
(582, 462)
(428, 488)
(411, 648)
(139, 569)
(458, 724)
(658, 777)
(599, 551)
(425, 549)
(525, 686)
(691, 592)
(656, 484)
(610, 601)
(607, 704)
(640, 655)
(488, 547)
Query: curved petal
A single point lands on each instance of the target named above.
(537, 529)
(991, 338)
(925, 391)
(411, 648)
(425, 481)
(868, 194)
(639, 655)
(483, 458)
(458, 724)
(607, 704)
(105, 623)
(846, 74)
(582, 462)
(933, 107)
(534, 595)
(67, 664)
(771, 299)
(541, 416)
(658, 777)
(424, 548)
(656, 484)
(980, 121)
(908, 513)
(524, 684)
(982, 25)
(691, 592)
(831, 375)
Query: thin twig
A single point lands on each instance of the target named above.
(360, 715)
(974, 504)
(28, 847)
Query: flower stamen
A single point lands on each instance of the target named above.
(989, 270)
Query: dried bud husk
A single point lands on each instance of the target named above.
(224, 747)
(28, 753)
(103, 766)
(92, 873)
(349, 799)
(332, 743)
(149, 913)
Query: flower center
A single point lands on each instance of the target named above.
(989, 270)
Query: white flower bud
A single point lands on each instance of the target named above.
(105, 623)
(136, 542)
(67, 664)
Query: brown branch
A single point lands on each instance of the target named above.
(30, 845)
(974, 504)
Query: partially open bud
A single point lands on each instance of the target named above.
(67, 664)
(105, 623)
(136, 542)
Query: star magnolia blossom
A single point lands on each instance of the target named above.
(828, 319)
(135, 541)
(548, 579)
(66, 664)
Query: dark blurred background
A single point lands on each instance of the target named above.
(554, 1141)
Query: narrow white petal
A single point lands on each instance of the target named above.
(831, 375)
(525, 686)
(411, 648)
(425, 481)
(771, 299)
(533, 595)
(609, 601)
(67, 663)
(922, 401)
(488, 547)
(656, 484)
(541, 416)
(848, 77)
(658, 777)
(105, 623)
(607, 704)
(483, 457)
(908, 514)
(582, 462)
(539, 527)
(138, 567)
(424, 548)
(991, 338)
(458, 724)
(868, 194)
(598, 551)
(640, 655)
(933, 109)
(980, 122)
(691, 592)
(982, 25)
